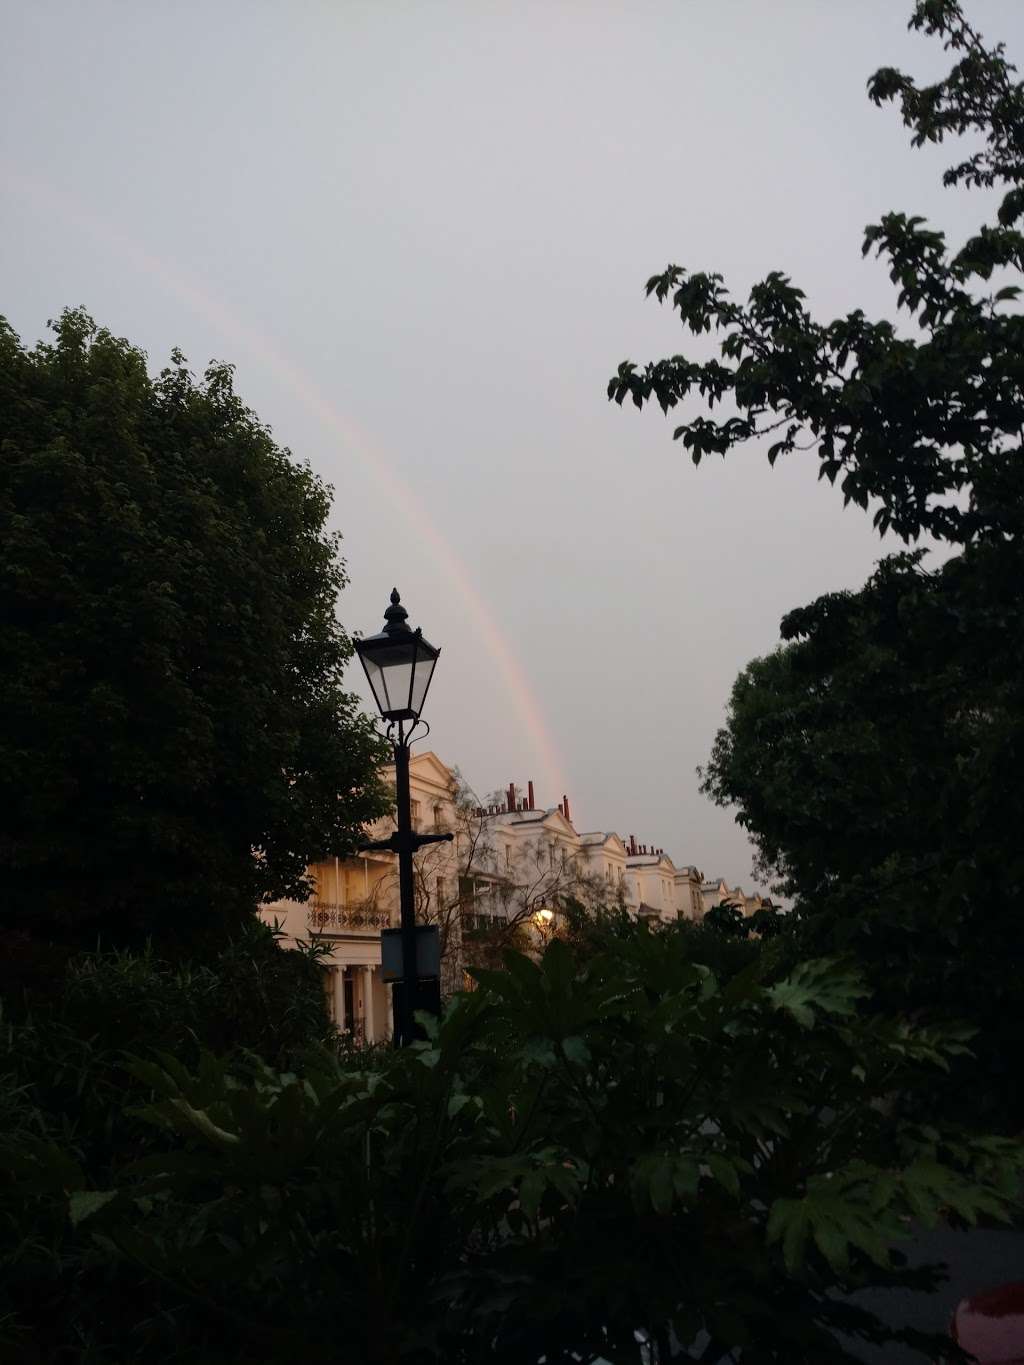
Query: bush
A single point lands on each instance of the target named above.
(251, 995)
(64, 1062)
(69, 1100)
(725, 943)
(576, 1155)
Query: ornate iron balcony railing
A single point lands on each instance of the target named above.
(326, 917)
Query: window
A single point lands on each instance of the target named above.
(414, 807)
(508, 856)
(551, 857)
(565, 858)
(438, 817)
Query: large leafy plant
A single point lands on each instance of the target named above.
(621, 1159)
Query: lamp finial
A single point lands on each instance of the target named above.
(396, 615)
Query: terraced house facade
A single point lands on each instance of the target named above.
(503, 878)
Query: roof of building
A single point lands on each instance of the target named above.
(532, 817)
(596, 837)
(519, 817)
(648, 859)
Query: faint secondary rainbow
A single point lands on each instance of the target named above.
(292, 377)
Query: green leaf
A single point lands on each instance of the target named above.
(725, 1173)
(82, 1204)
(661, 1185)
(576, 1050)
(531, 1190)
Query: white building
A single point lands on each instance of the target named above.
(509, 861)
(354, 898)
(717, 892)
(603, 857)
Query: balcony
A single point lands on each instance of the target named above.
(327, 917)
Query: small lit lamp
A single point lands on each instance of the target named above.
(544, 919)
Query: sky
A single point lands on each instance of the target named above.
(421, 233)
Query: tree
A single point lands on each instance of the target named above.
(874, 757)
(524, 903)
(176, 742)
(927, 425)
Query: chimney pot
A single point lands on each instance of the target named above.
(565, 806)
(529, 796)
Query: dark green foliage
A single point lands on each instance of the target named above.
(722, 942)
(928, 425)
(574, 1156)
(874, 758)
(253, 995)
(170, 660)
(726, 920)
(68, 1099)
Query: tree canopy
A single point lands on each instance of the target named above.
(924, 422)
(176, 742)
(873, 760)
(874, 757)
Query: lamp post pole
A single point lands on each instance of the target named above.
(399, 664)
(406, 845)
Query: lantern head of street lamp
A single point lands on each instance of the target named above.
(399, 664)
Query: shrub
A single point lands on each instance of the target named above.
(581, 1160)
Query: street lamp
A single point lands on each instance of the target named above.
(544, 919)
(399, 664)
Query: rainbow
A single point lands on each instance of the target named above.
(204, 304)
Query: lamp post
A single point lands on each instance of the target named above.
(399, 664)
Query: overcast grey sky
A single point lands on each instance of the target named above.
(421, 232)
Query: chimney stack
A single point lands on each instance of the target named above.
(529, 796)
(632, 845)
(510, 803)
(565, 808)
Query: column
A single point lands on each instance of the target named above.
(369, 1031)
(340, 1023)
